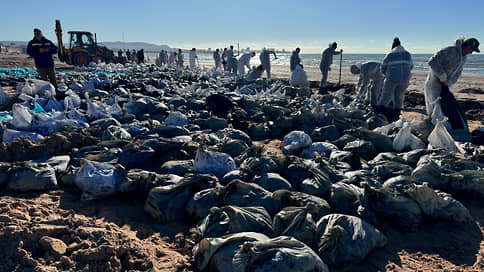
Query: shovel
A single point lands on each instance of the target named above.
(340, 62)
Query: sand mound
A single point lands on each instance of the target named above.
(57, 232)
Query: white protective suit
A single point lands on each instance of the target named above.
(230, 64)
(171, 59)
(326, 61)
(265, 60)
(217, 59)
(371, 81)
(445, 65)
(396, 67)
(295, 60)
(180, 60)
(192, 58)
(244, 61)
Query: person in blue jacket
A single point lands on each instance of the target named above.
(396, 67)
(43, 50)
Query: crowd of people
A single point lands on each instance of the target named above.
(131, 56)
(381, 85)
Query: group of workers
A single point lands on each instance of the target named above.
(227, 60)
(381, 85)
(131, 56)
(176, 59)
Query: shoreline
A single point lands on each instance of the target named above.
(417, 81)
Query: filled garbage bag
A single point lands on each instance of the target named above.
(217, 254)
(405, 140)
(199, 206)
(440, 138)
(96, 180)
(299, 77)
(38, 87)
(317, 206)
(31, 177)
(176, 118)
(243, 194)
(167, 203)
(439, 205)
(281, 254)
(346, 240)
(296, 222)
(393, 206)
(22, 117)
(213, 162)
(232, 219)
(294, 142)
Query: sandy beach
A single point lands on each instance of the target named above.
(94, 230)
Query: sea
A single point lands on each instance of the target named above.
(473, 65)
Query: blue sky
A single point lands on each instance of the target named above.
(366, 26)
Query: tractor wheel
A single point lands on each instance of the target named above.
(80, 59)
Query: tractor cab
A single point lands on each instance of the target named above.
(82, 39)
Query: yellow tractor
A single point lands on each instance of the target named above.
(82, 48)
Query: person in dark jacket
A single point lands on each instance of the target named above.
(42, 50)
(141, 56)
(128, 55)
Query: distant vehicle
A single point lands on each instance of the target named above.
(82, 48)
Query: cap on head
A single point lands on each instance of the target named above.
(354, 69)
(473, 43)
(396, 42)
(334, 45)
(36, 30)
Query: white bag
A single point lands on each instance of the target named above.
(322, 148)
(22, 117)
(299, 77)
(114, 109)
(440, 138)
(176, 118)
(72, 100)
(295, 142)
(437, 113)
(405, 139)
(211, 162)
(38, 87)
(385, 129)
(96, 111)
(96, 180)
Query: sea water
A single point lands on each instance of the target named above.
(474, 63)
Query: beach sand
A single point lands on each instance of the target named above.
(140, 241)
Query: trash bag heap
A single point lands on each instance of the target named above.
(188, 144)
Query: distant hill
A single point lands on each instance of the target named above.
(16, 43)
(136, 46)
(112, 45)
